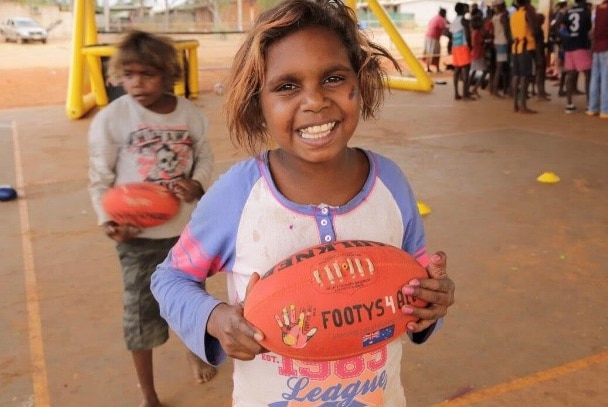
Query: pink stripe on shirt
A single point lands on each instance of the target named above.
(188, 256)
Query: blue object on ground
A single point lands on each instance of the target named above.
(7, 193)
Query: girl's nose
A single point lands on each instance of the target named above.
(314, 99)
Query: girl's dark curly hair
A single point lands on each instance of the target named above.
(243, 108)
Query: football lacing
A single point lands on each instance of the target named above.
(336, 270)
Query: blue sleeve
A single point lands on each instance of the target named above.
(414, 241)
(205, 247)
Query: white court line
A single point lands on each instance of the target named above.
(39, 374)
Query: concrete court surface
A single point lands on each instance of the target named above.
(529, 327)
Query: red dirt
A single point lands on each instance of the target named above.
(33, 87)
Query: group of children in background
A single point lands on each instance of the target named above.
(506, 49)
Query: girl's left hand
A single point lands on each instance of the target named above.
(187, 190)
(437, 291)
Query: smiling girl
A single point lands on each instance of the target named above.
(302, 79)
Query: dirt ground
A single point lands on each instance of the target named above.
(529, 260)
(34, 74)
(20, 87)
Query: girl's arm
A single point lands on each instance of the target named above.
(206, 246)
(187, 306)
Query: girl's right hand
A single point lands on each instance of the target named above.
(120, 233)
(239, 339)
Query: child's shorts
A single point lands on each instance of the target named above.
(522, 64)
(478, 64)
(501, 52)
(143, 327)
(461, 55)
(578, 60)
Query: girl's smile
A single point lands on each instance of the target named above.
(317, 132)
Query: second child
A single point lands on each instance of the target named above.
(148, 135)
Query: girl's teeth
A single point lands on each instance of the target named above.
(317, 131)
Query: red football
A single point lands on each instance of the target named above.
(141, 204)
(334, 301)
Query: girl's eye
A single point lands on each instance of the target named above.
(334, 79)
(286, 87)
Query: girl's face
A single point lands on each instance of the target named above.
(310, 101)
(145, 84)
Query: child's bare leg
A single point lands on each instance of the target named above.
(467, 82)
(202, 371)
(524, 103)
(587, 84)
(562, 84)
(496, 79)
(456, 80)
(515, 91)
(145, 374)
(570, 86)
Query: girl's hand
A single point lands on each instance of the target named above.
(437, 291)
(120, 233)
(188, 190)
(239, 339)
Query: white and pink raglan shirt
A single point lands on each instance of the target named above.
(243, 225)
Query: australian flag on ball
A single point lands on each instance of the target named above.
(378, 336)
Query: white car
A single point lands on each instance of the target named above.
(23, 29)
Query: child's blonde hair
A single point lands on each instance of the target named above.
(243, 108)
(147, 49)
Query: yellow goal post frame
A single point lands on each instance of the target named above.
(421, 81)
(87, 54)
(86, 87)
